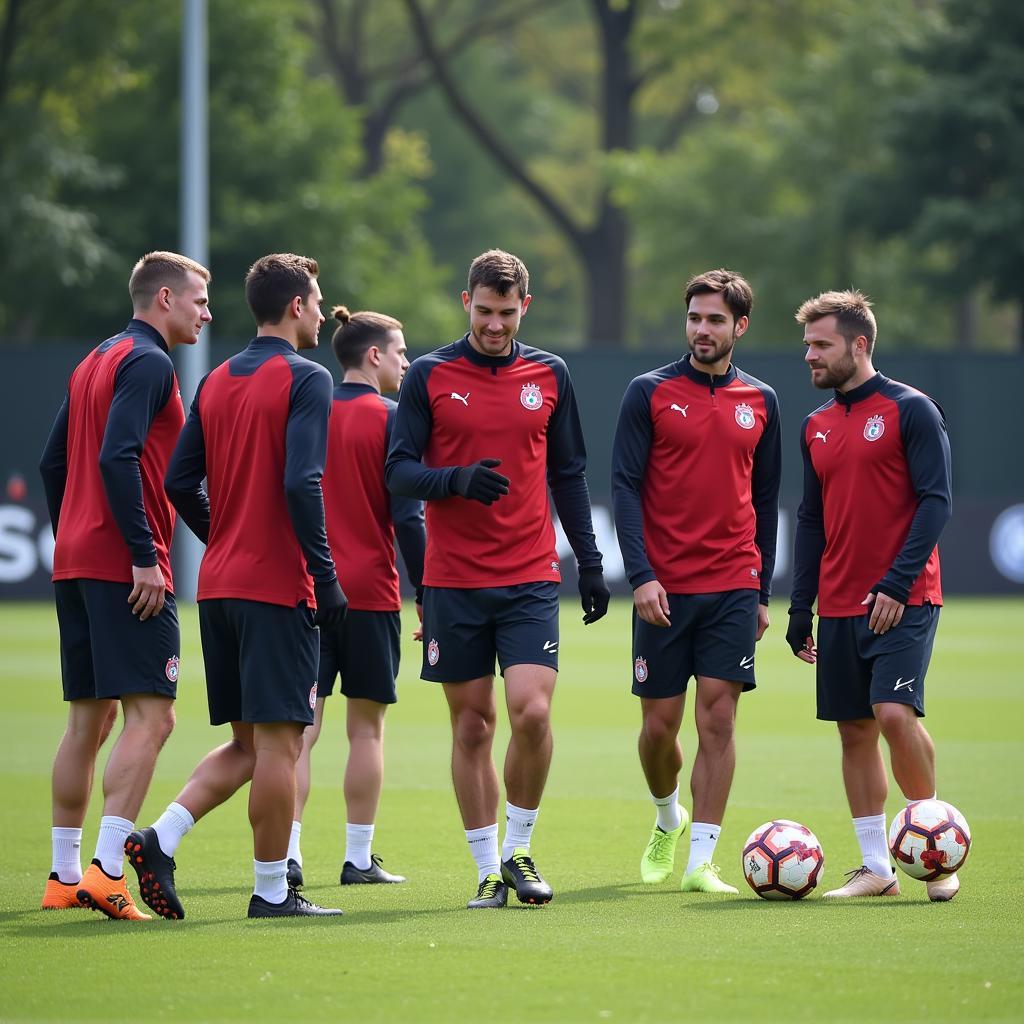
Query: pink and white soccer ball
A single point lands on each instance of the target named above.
(929, 839)
(782, 860)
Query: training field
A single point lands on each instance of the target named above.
(606, 948)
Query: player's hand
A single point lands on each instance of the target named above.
(651, 603)
(149, 591)
(331, 604)
(886, 612)
(594, 595)
(417, 633)
(762, 621)
(480, 483)
(800, 636)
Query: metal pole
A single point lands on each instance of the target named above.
(193, 360)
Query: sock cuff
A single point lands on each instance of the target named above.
(296, 827)
(474, 835)
(182, 812)
(59, 832)
(271, 867)
(359, 830)
(665, 801)
(520, 812)
(114, 821)
(870, 821)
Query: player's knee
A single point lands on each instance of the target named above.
(659, 731)
(718, 723)
(533, 720)
(856, 734)
(895, 720)
(474, 730)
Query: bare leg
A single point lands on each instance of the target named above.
(528, 693)
(661, 756)
(715, 760)
(272, 793)
(148, 721)
(302, 769)
(364, 771)
(863, 768)
(89, 724)
(910, 748)
(221, 773)
(473, 717)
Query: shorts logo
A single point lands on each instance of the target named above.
(531, 397)
(745, 416)
(640, 670)
(874, 428)
(433, 652)
(312, 697)
(171, 668)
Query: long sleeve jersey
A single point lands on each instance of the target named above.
(257, 431)
(877, 495)
(458, 406)
(104, 461)
(696, 465)
(363, 519)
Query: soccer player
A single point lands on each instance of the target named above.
(363, 520)
(695, 481)
(873, 566)
(103, 469)
(491, 573)
(257, 432)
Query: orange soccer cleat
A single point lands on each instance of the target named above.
(110, 896)
(60, 895)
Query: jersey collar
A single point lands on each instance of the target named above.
(866, 390)
(137, 327)
(687, 369)
(466, 350)
(270, 341)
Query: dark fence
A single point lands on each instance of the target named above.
(982, 548)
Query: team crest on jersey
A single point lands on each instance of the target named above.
(171, 668)
(531, 397)
(874, 428)
(312, 698)
(556, 566)
(745, 416)
(640, 670)
(433, 652)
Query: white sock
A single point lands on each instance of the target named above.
(669, 815)
(519, 822)
(294, 853)
(874, 845)
(172, 826)
(110, 843)
(703, 838)
(483, 845)
(67, 854)
(358, 842)
(271, 880)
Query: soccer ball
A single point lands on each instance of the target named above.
(782, 860)
(929, 839)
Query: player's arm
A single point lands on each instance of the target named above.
(410, 532)
(630, 451)
(567, 479)
(808, 548)
(186, 471)
(766, 476)
(305, 454)
(53, 464)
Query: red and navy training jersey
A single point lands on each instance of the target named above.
(257, 432)
(458, 406)
(363, 518)
(877, 495)
(103, 464)
(696, 466)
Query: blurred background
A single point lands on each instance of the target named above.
(617, 147)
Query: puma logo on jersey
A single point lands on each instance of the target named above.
(680, 408)
(464, 399)
(824, 437)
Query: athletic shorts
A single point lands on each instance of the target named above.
(465, 630)
(857, 669)
(365, 651)
(261, 661)
(106, 651)
(711, 635)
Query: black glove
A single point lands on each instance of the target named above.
(801, 623)
(480, 483)
(594, 594)
(331, 604)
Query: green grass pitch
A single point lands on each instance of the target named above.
(607, 948)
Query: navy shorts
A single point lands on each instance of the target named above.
(711, 635)
(857, 669)
(106, 651)
(261, 661)
(365, 651)
(465, 630)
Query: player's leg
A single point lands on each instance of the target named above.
(302, 785)
(911, 749)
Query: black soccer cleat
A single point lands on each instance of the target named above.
(293, 905)
(492, 893)
(373, 875)
(294, 873)
(156, 873)
(521, 874)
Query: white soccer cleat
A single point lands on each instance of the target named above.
(862, 882)
(943, 889)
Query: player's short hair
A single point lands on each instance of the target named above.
(734, 288)
(499, 270)
(852, 310)
(158, 270)
(274, 280)
(357, 332)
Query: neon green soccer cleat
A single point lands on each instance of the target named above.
(660, 855)
(705, 879)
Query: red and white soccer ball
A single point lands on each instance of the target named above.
(782, 860)
(929, 839)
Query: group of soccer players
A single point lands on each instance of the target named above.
(300, 489)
